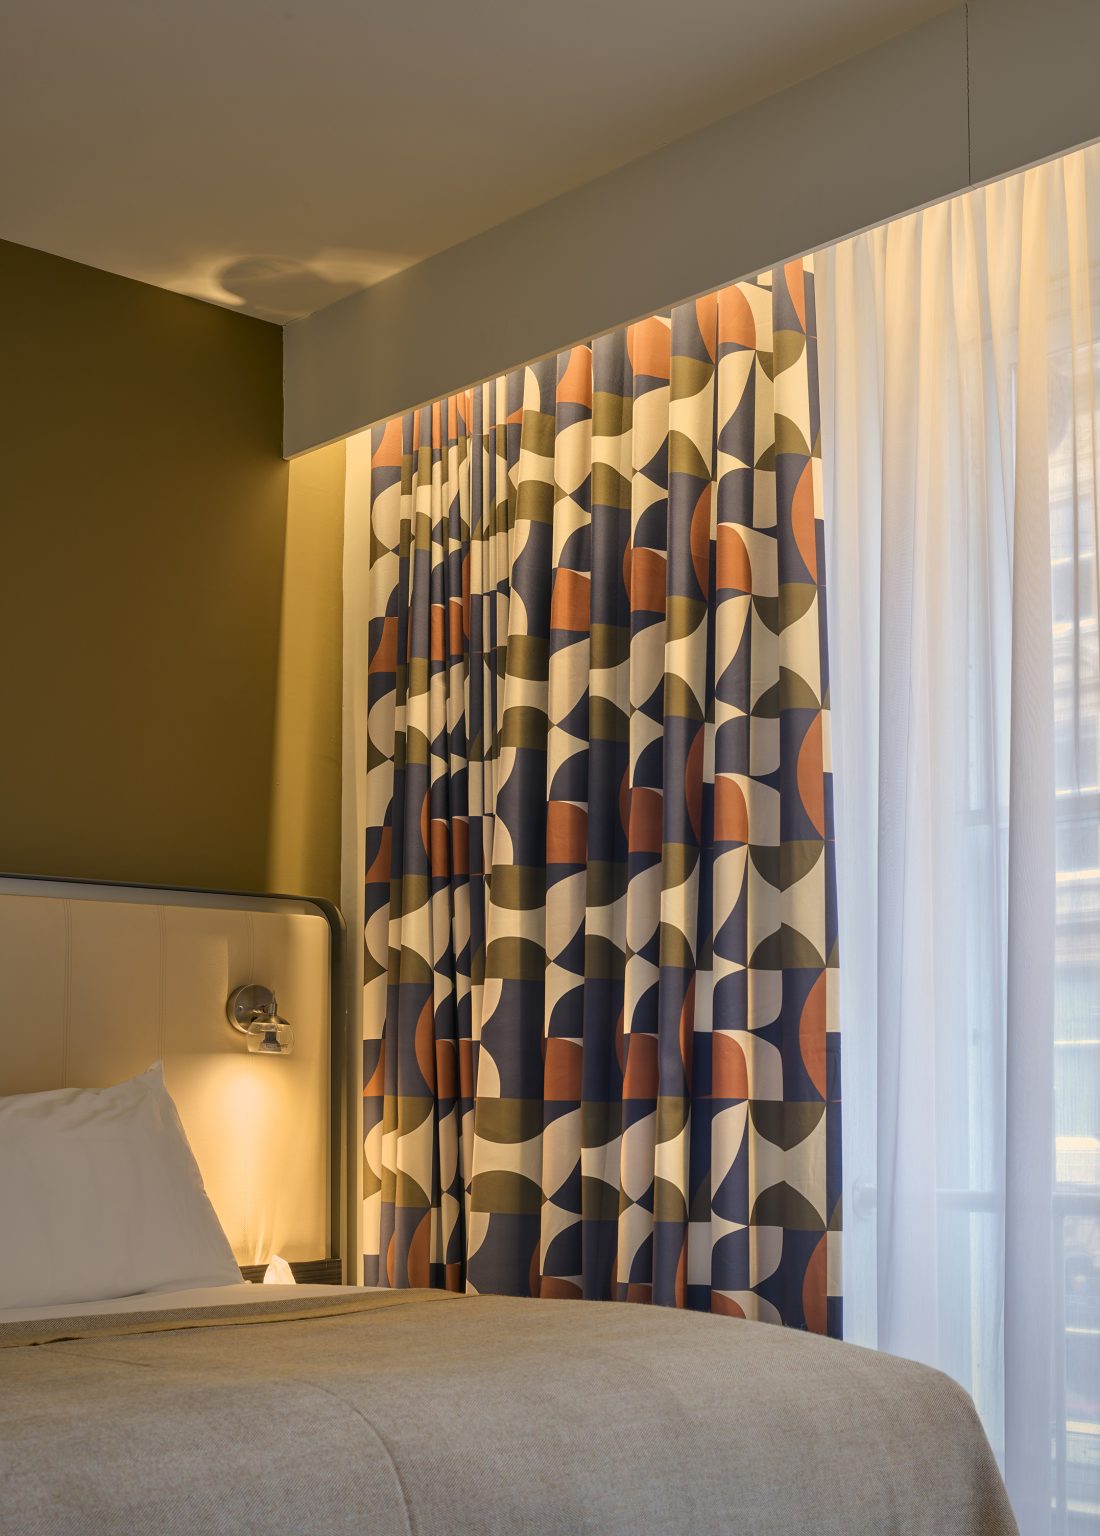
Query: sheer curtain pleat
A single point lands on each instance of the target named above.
(959, 402)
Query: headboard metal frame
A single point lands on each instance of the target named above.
(345, 1059)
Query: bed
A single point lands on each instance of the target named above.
(306, 1408)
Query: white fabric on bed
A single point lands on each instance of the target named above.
(100, 1196)
(242, 1294)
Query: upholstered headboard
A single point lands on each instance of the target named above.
(99, 981)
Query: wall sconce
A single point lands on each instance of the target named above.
(254, 1011)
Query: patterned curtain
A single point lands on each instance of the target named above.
(601, 1053)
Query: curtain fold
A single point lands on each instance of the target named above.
(959, 384)
(591, 829)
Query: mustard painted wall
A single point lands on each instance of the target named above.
(305, 802)
(143, 575)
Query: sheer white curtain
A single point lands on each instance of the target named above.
(960, 370)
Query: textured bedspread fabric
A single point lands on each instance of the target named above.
(422, 1414)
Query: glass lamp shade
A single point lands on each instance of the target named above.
(270, 1037)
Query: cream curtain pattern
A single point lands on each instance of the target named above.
(591, 823)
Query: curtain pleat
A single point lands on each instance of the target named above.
(600, 926)
(961, 376)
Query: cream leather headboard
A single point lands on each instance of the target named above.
(98, 982)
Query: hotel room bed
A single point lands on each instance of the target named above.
(192, 1403)
(327, 1410)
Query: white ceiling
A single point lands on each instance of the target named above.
(273, 155)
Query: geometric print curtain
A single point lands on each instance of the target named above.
(600, 921)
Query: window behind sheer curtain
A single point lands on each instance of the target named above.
(960, 399)
(1075, 430)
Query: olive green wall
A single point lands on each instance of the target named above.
(143, 524)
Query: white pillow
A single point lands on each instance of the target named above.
(100, 1196)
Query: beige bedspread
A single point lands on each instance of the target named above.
(414, 1412)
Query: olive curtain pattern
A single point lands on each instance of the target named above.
(599, 987)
